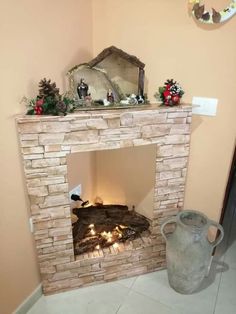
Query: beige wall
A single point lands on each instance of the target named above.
(123, 177)
(82, 171)
(202, 58)
(45, 38)
(38, 39)
(117, 176)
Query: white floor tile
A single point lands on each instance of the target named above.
(100, 299)
(230, 255)
(226, 301)
(139, 304)
(156, 286)
(39, 307)
(128, 282)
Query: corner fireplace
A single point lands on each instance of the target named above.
(47, 141)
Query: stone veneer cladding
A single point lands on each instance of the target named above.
(46, 140)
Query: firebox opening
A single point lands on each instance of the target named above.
(119, 185)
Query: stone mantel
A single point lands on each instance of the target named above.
(116, 112)
(45, 142)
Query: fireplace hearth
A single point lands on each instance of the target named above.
(47, 141)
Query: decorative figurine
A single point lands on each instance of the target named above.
(82, 89)
(140, 99)
(133, 99)
(106, 102)
(88, 100)
(130, 100)
(125, 101)
(110, 96)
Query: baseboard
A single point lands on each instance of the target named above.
(24, 307)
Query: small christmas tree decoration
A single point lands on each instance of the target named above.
(49, 101)
(170, 94)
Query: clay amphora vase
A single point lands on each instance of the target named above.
(188, 250)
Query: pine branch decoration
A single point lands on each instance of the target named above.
(49, 101)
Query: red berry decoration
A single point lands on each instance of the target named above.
(175, 99)
(39, 102)
(38, 110)
(170, 94)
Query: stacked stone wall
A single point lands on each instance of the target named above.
(45, 142)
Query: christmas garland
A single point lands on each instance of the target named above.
(49, 101)
(203, 16)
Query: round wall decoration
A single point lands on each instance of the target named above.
(213, 17)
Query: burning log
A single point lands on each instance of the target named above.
(103, 225)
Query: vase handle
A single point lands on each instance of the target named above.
(169, 221)
(220, 237)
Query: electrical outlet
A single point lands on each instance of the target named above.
(205, 106)
(77, 190)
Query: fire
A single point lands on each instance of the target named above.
(122, 226)
(115, 235)
(92, 230)
(108, 236)
(119, 230)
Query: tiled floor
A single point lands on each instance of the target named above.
(149, 294)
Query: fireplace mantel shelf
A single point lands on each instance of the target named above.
(111, 113)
